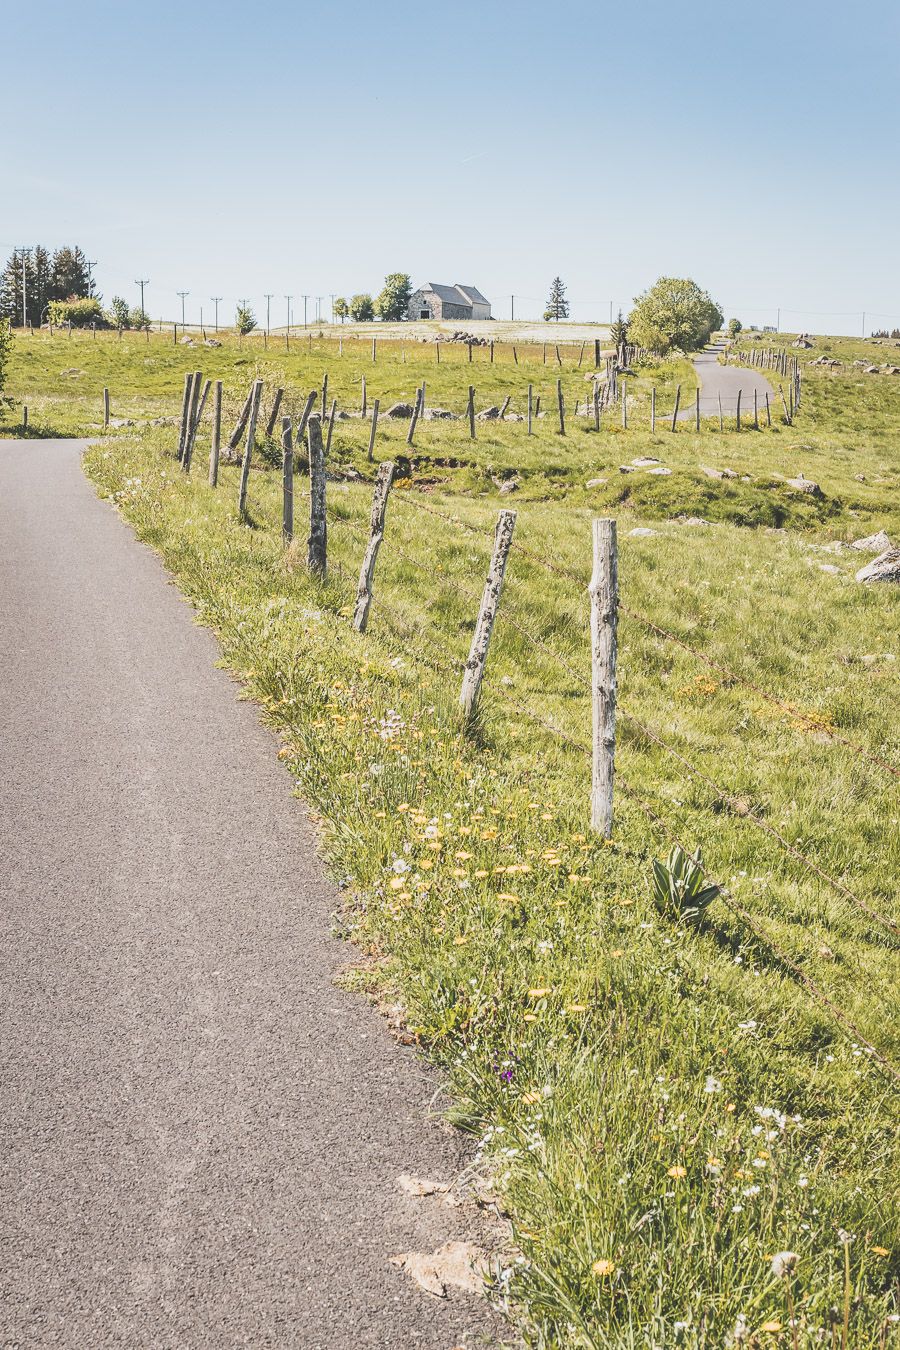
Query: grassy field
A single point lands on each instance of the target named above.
(661, 1108)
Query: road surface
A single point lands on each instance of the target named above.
(201, 1135)
(718, 381)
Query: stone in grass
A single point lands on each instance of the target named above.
(511, 485)
(644, 462)
(717, 473)
(488, 414)
(873, 543)
(886, 567)
(439, 415)
(830, 568)
(627, 468)
(595, 482)
(691, 520)
(397, 410)
(641, 532)
(801, 484)
(186, 342)
(660, 471)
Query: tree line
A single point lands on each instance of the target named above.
(38, 287)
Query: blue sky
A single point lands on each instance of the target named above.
(232, 149)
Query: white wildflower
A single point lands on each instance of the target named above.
(783, 1263)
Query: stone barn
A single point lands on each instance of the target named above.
(433, 301)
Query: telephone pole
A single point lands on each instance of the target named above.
(24, 289)
(512, 307)
(90, 264)
(142, 282)
(182, 294)
(268, 304)
(215, 299)
(305, 298)
(289, 298)
(332, 306)
(319, 299)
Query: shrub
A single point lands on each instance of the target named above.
(6, 341)
(138, 319)
(362, 309)
(734, 327)
(118, 312)
(244, 320)
(79, 312)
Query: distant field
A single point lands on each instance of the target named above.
(661, 1108)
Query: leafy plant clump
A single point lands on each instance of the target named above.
(679, 887)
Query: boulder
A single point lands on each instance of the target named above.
(644, 462)
(438, 415)
(886, 567)
(873, 543)
(511, 485)
(212, 342)
(398, 410)
(513, 417)
(717, 473)
(595, 482)
(488, 414)
(640, 532)
(660, 472)
(806, 485)
(186, 342)
(692, 520)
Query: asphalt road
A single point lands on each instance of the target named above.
(201, 1135)
(724, 381)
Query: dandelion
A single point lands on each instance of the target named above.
(741, 1329)
(774, 1326)
(676, 1171)
(712, 1084)
(879, 1251)
(784, 1263)
(539, 993)
(603, 1267)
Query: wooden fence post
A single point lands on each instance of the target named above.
(304, 418)
(653, 407)
(768, 411)
(530, 408)
(105, 408)
(196, 419)
(604, 593)
(490, 600)
(324, 394)
(193, 400)
(596, 406)
(317, 544)
(255, 396)
(24, 416)
(331, 416)
(787, 416)
(755, 411)
(185, 407)
(374, 350)
(287, 482)
(383, 480)
(371, 455)
(721, 416)
(234, 439)
(276, 404)
(470, 410)
(362, 406)
(562, 408)
(415, 417)
(697, 409)
(677, 406)
(738, 411)
(216, 436)
(625, 404)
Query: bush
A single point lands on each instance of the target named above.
(675, 314)
(79, 312)
(734, 327)
(118, 312)
(138, 319)
(244, 320)
(6, 341)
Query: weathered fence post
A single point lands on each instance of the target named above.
(374, 350)
(787, 415)
(755, 411)
(596, 406)
(196, 383)
(768, 411)
(490, 600)
(185, 407)
(276, 404)
(653, 407)
(414, 418)
(470, 411)
(721, 415)
(234, 439)
(505, 406)
(324, 393)
(562, 408)
(362, 402)
(371, 455)
(255, 396)
(677, 406)
(604, 593)
(331, 416)
(383, 480)
(317, 544)
(530, 408)
(697, 409)
(216, 436)
(24, 416)
(105, 408)
(738, 410)
(287, 482)
(625, 404)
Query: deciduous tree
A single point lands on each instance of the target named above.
(674, 315)
(393, 302)
(362, 309)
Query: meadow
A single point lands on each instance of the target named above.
(661, 1108)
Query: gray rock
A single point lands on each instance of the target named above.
(398, 410)
(873, 543)
(488, 414)
(830, 567)
(439, 415)
(806, 485)
(513, 417)
(717, 473)
(627, 468)
(660, 472)
(165, 422)
(692, 520)
(886, 567)
(511, 485)
(641, 532)
(212, 342)
(644, 462)
(121, 422)
(595, 482)
(186, 342)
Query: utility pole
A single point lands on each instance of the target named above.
(215, 299)
(305, 298)
(90, 264)
(142, 282)
(289, 298)
(512, 307)
(610, 311)
(319, 299)
(182, 294)
(778, 321)
(864, 324)
(24, 290)
(268, 304)
(332, 306)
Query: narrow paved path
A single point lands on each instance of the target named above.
(718, 381)
(201, 1135)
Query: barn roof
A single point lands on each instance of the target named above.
(473, 295)
(456, 295)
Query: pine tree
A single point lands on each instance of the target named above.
(557, 305)
(618, 335)
(70, 276)
(39, 284)
(11, 288)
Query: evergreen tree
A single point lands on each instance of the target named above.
(70, 276)
(39, 284)
(11, 288)
(557, 305)
(618, 336)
